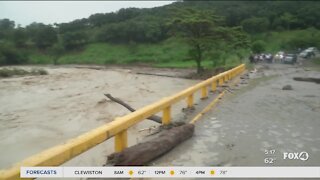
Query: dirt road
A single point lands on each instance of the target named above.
(38, 112)
(258, 116)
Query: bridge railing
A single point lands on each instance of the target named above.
(57, 155)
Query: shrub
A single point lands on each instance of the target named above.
(303, 41)
(6, 72)
(74, 40)
(258, 46)
(9, 55)
(255, 25)
(43, 72)
(38, 72)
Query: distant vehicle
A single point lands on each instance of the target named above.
(307, 54)
(312, 50)
(290, 59)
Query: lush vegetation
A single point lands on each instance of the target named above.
(182, 34)
(8, 72)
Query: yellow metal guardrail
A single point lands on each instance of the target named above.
(57, 155)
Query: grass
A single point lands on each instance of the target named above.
(171, 53)
(276, 41)
(39, 58)
(106, 53)
(9, 72)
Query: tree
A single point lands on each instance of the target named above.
(232, 41)
(6, 24)
(216, 56)
(57, 51)
(9, 55)
(20, 37)
(74, 40)
(288, 19)
(127, 13)
(6, 29)
(97, 20)
(197, 28)
(309, 16)
(238, 41)
(141, 29)
(255, 25)
(73, 26)
(305, 39)
(258, 47)
(43, 36)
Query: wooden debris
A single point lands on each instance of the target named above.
(307, 79)
(119, 101)
(143, 153)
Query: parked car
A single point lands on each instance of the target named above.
(290, 59)
(307, 54)
(312, 50)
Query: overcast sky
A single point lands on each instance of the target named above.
(49, 12)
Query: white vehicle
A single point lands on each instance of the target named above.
(290, 59)
(304, 54)
(312, 50)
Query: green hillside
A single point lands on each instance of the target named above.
(161, 36)
(169, 53)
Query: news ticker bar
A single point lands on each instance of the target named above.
(169, 172)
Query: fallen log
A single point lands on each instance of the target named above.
(119, 101)
(307, 79)
(163, 75)
(143, 153)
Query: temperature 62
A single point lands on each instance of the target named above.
(269, 160)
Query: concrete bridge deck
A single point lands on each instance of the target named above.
(257, 116)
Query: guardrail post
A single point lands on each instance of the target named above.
(220, 81)
(121, 141)
(204, 92)
(190, 101)
(166, 116)
(226, 78)
(214, 86)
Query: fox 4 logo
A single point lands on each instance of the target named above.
(302, 156)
